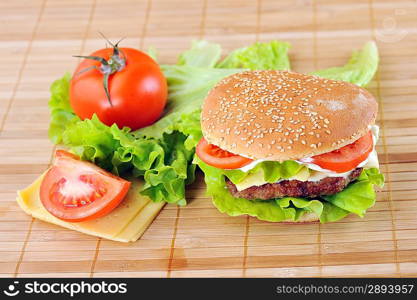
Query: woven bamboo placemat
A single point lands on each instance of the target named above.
(37, 39)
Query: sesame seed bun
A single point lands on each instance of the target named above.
(281, 115)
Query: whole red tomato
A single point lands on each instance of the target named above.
(137, 90)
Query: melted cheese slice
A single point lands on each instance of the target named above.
(257, 179)
(126, 223)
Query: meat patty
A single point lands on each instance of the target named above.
(295, 188)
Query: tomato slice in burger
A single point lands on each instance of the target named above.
(346, 158)
(75, 190)
(219, 158)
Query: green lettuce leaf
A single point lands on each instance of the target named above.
(272, 171)
(374, 176)
(332, 213)
(226, 203)
(164, 163)
(166, 181)
(202, 55)
(61, 111)
(359, 196)
(360, 69)
(92, 140)
(259, 56)
(355, 198)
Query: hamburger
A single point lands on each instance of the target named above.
(288, 147)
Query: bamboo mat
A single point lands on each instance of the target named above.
(37, 39)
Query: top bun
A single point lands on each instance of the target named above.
(281, 115)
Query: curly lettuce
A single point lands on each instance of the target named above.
(359, 70)
(61, 112)
(259, 56)
(202, 54)
(272, 171)
(356, 198)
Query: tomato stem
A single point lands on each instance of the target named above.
(115, 63)
(106, 86)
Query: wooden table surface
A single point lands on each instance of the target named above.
(37, 40)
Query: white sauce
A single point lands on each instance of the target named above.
(370, 162)
(252, 165)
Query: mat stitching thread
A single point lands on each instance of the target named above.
(82, 48)
(28, 49)
(247, 223)
(96, 252)
(145, 24)
(22, 67)
(22, 251)
(384, 144)
(174, 234)
(315, 56)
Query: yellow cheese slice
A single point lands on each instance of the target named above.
(257, 179)
(125, 224)
(303, 175)
(254, 179)
(140, 223)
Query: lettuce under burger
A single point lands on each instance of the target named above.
(283, 146)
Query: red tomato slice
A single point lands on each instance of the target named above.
(219, 158)
(346, 158)
(75, 190)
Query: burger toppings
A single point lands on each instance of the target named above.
(338, 161)
(219, 158)
(295, 188)
(346, 158)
